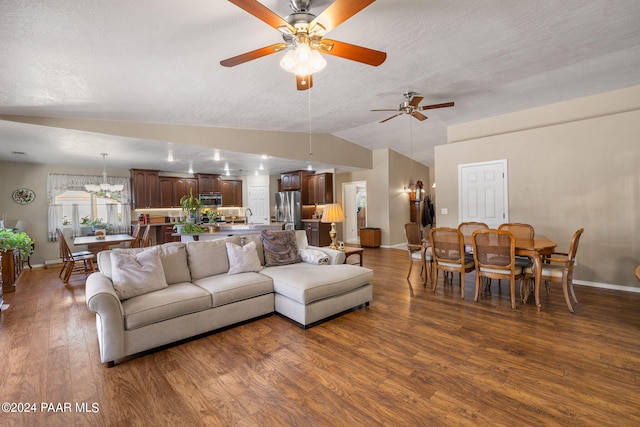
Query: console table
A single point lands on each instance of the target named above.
(11, 268)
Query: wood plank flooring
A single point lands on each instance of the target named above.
(426, 359)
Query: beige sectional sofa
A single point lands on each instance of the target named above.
(179, 290)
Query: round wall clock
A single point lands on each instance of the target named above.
(23, 196)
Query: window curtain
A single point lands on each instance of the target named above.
(58, 184)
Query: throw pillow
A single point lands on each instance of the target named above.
(313, 256)
(137, 274)
(243, 259)
(280, 247)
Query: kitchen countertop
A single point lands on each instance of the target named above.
(225, 230)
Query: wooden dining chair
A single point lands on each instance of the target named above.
(467, 229)
(146, 237)
(558, 268)
(418, 249)
(494, 254)
(73, 262)
(520, 231)
(447, 246)
(136, 242)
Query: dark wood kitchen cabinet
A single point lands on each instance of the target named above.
(145, 188)
(317, 232)
(295, 181)
(209, 183)
(320, 189)
(171, 189)
(231, 193)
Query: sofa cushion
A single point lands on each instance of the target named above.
(209, 257)
(137, 273)
(174, 262)
(243, 259)
(301, 240)
(280, 247)
(257, 239)
(173, 301)
(306, 283)
(225, 288)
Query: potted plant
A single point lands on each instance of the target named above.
(10, 239)
(189, 228)
(190, 204)
(98, 226)
(212, 217)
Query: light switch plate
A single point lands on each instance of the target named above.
(444, 211)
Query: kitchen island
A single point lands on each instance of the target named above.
(224, 230)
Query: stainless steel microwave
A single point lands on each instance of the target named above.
(211, 199)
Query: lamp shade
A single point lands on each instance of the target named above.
(332, 213)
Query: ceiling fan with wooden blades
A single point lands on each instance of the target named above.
(303, 35)
(410, 106)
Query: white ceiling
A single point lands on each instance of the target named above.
(157, 61)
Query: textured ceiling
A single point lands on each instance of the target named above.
(157, 61)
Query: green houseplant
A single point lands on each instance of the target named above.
(191, 204)
(10, 239)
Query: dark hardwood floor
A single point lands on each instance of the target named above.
(426, 359)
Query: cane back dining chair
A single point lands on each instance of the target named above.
(558, 268)
(419, 250)
(467, 229)
(447, 245)
(73, 262)
(494, 253)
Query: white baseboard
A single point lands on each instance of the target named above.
(607, 286)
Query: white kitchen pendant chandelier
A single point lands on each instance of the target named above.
(104, 187)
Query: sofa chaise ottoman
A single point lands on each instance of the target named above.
(180, 290)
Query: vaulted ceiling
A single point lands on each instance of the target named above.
(158, 61)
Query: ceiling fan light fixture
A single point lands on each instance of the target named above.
(301, 60)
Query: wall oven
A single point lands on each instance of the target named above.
(211, 200)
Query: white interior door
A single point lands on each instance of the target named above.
(259, 204)
(352, 195)
(482, 192)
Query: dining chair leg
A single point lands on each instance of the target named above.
(478, 281)
(410, 266)
(434, 277)
(573, 294)
(565, 291)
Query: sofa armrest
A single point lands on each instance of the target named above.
(102, 299)
(335, 256)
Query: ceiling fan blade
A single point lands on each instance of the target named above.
(262, 13)
(394, 109)
(431, 107)
(254, 54)
(419, 116)
(415, 101)
(304, 82)
(352, 52)
(389, 118)
(338, 12)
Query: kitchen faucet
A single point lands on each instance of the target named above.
(246, 217)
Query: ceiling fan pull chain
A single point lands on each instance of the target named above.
(309, 117)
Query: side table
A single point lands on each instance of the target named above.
(352, 250)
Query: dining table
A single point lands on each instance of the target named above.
(535, 249)
(97, 244)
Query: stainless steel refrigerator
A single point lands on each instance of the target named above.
(289, 209)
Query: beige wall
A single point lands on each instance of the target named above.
(570, 165)
(387, 203)
(34, 176)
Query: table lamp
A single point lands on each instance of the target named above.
(332, 213)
